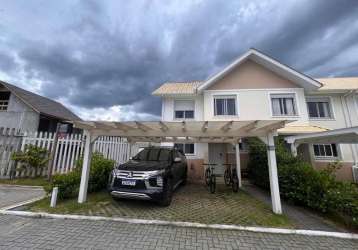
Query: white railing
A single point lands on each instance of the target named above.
(67, 150)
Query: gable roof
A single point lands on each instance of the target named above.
(269, 63)
(40, 104)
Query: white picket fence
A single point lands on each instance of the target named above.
(68, 150)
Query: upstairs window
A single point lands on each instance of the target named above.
(4, 100)
(283, 105)
(184, 109)
(325, 150)
(224, 105)
(319, 108)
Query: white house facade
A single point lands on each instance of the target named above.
(257, 87)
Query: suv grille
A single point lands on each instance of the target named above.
(130, 174)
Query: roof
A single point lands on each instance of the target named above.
(291, 129)
(342, 135)
(183, 88)
(182, 131)
(338, 83)
(42, 105)
(269, 63)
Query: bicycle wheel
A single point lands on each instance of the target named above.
(212, 184)
(227, 177)
(207, 176)
(235, 182)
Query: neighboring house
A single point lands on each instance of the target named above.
(26, 111)
(257, 87)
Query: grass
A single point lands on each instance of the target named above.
(37, 181)
(191, 203)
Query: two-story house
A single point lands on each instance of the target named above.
(257, 87)
(26, 111)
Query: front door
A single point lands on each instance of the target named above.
(217, 152)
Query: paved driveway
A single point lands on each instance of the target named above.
(11, 195)
(31, 233)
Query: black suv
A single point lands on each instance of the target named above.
(152, 174)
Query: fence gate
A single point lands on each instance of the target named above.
(10, 141)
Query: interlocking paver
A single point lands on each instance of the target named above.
(32, 233)
(11, 195)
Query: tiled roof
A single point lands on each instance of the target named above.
(339, 83)
(290, 129)
(184, 88)
(41, 104)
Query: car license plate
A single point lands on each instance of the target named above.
(128, 183)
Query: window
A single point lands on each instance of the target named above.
(283, 105)
(225, 105)
(325, 150)
(4, 100)
(184, 109)
(186, 148)
(319, 108)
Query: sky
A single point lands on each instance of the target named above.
(102, 59)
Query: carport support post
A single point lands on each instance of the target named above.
(82, 196)
(271, 158)
(238, 165)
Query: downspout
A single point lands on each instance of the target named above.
(349, 122)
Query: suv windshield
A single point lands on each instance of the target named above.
(153, 154)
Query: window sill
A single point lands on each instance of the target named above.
(326, 158)
(321, 119)
(285, 116)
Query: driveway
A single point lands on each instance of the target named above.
(31, 233)
(11, 195)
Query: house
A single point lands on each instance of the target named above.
(27, 111)
(257, 87)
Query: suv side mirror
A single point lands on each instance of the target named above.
(177, 159)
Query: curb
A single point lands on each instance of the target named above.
(20, 204)
(22, 186)
(184, 224)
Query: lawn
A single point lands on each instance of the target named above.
(38, 181)
(192, 203)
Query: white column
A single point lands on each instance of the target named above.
(293, 149)
(238, 166)
(275, 191)
(82, 196)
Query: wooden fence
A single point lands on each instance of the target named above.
(67, 150)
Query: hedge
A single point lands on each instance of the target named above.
(68, 184)
(301, 184)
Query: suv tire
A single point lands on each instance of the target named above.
(185, 177)
(167, 193)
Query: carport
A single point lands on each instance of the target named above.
(186, 132)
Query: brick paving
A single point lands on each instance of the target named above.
(10, 195)
(192, 203)
(31, 233)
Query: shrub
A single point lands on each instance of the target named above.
(32, 157)
(68, 184)
(301, 184)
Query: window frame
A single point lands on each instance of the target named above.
(225, 97)
(184, 110)
(317, 99)
(283, 94)
(4, 103)
(326, 157)
(187, 154)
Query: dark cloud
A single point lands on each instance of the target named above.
(97, 55)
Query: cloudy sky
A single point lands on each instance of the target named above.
(104, 58)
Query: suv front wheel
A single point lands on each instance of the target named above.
(167, 193)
